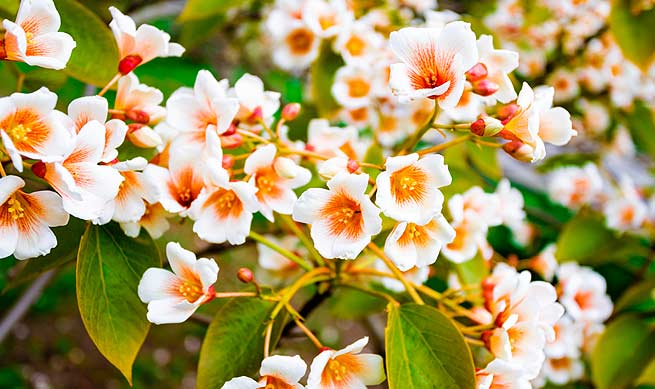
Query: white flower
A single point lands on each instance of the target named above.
(254, 100)
(85, 186)
(511, 204)
(135, 192)
(137, 46)
(137, 99)
(329, 140)
(470, 237)
(416, 275)
(26, 218)
(433, 62)
(498, 63)
(277, 371)
(563, 370)
(625, 210)
(295, 45)
(575, 186)
(332, 167)
(358, 42)
(343, 219)
(353, 86)
(408, 188)
(275, 187)
(501, 374)
(346, 368)
(583, 293)
(173, 297)
(410, 245)
(545, 264)
(34, 37)
(326, 18)
(154, 221)
(223, 213)
(565, 83)
(29, 126)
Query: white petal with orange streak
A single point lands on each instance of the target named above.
(180, 259)
(150, 42)
(87, 108)
(34, 241)
(41, 14)
(407, 41)
(9, 234)
(207, 271)
(262, 157)
(290, 369)
(372, 369)
(53, 214)
(308, 206)
(457, 37)
(157, 284)
(124, 30)
(51, 50)
(404, 257)
(8, 186)
(170, 311)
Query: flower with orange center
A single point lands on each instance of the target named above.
(575, 186)
(256, 104)
(326, 18)
(295, 45)
(26, 218)
(223, 213)
(173, 297)
(409, 245)
(353, 86)
(135, 192)
(35, 39)
(343, 219)
(358, 42)
(154, 221)
(500, 374)
(139, 100)
(583, 293)
(275, 179)
(408, 188)
(434, 62)
(31, 127)
(276, 372)
(346, 368)
(625, 209)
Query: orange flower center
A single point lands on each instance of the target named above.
(344, 216)
(408, 184)
(300, 41)
(266, 181)
(339, 370)
(15, 208)
(19, 133)
(414, 234)
(190, 290)
(358, 87)
(276, 383)
(355, 45)
(225, 203)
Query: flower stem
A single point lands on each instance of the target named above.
(371, 292)
(2, 171)
(445, 145)
(234, 294)
(397, 273)
(412, 141)
(252, 135)
(281, 250)
(309, 333)
(109, 84)
(306, 241)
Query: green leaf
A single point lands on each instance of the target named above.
(352, 304)
(9, 9)
(585, 239)
(95, 59)
(562, 160)
(109, 267)
(201, 9)
(323, 70)
(234, 343)
(639, 297)
(421, 340)
(622, 352)
(52, 79)
(641, 123)
(485, 160)
(633, 32)
(194, 33)
(473, 271)
(374, 155)
(68, 242)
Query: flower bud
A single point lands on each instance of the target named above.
(290, 111)
(39, 169)
(507, 112)
(285, 167)
(245, 275)
(519, 151)
(129, 63)
(352, 166)
(486, 126)
(485, 87)
(477, 72)
(332, 167)
(138, 116)
(231, 141)
(231, 130)
(227, 162)
(143, 136)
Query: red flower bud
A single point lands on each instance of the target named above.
(231, 130)
(352, 166)
(256, 115)
(39, 169)
(519, 151)
(245, 275)
(508, 111)
(129, 63)
(139, 116)
(290, 111)
(232, 141)
(478, 126)
(477, 72)
(485, 87)
(309, 147)
(228, 161)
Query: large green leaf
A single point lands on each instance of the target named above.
(234, 343)
(109, 267)
(639, 297)
(68, 241)
(425, 350)
(633, 32)
(95, 59)
(622, 352)
(641, 123)
(202, 9)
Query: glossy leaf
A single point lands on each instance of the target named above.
(201, 9)
(234, 343)
(420, 339)
(622, 352)
(633, 32)
(95, 59)
(109, 267)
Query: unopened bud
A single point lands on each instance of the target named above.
(256, 115)
(227, 162)
(231, 141)
(309, 147)
(129, 63)
(138, 116)
(485, 87)
(507, 112)
(39, 169)
(486, 126)
(290, 111)
(245, 275)
(477, 72)
(332, 167)
(231, 130)
(519, 150)
(143, 136)
(285, 167)
(352, 166)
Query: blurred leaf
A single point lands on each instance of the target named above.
(622, 352)
(633, 33)
(374, 155)
(352, 304)
(202, 9)
(639, 297)
(196, 32)
(51, 79)
(68, 242)
(425, 350)
(485, 160)
(95, 59)
(109, 268)
(562, 160)
(641, 123)
(158, 74)
(647, 378)
(585, 239)
(323, 70)
(234, 343)
(9, 9)
(8, 78)
(473, 271)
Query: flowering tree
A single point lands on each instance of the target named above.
(465, 176)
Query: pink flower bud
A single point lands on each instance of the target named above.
(486, 126)
(231, 130)
(143, 136)
(256, 115)
(290, 111)
(227, 162)
(138, 116)
(285, 167)
(507, 112)
(477, 72)
(231, 141)
(485, 87)
(39, 169)
(129, 63)
(245, 275)
(519, 151)
(352, 166)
